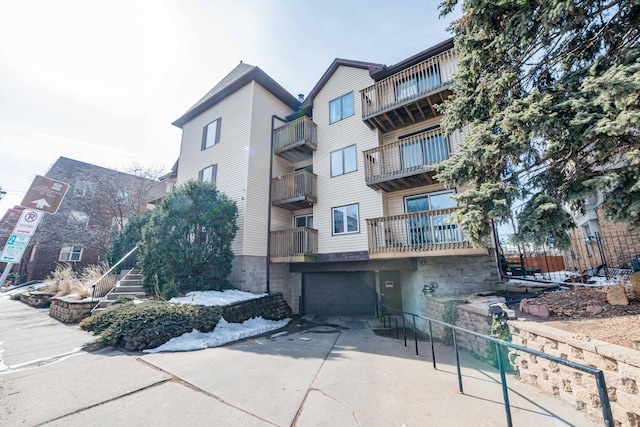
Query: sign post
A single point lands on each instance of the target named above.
(45, 194)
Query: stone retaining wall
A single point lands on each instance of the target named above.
(621, 367)
(270, 307)
(69, 310)
(35, 299)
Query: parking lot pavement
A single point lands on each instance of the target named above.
(324, 372)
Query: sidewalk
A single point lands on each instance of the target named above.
(338, 373)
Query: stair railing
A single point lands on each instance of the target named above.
(104, 286)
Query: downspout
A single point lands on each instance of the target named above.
(268, 262)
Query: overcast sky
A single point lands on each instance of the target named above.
(101, 81)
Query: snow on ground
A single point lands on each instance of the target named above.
(223, 333)
(216, 297)
(559, 277)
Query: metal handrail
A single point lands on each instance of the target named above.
(95, 284)
(597, 373)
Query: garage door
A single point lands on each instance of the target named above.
(339, 293)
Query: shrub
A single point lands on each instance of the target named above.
(67, 282)
(150, 324)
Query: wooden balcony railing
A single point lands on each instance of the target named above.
(411, 161)
(294, 245)
(402, 92)
(417, 232)
(296, 140)
(297, 190)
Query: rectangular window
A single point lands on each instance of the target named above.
(303, 221)
(423, 81)
(428, 151)
(70, 253)
(208, 174)
(84, 189)
(341, 108)
(345, 219)
(211, 134)
(78, 219)
(427, 227)
(343, 161)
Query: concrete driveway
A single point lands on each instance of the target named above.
(323, 372)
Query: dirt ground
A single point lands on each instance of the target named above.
(614, 324)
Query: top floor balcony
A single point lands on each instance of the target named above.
(409, 96)
(296, 141)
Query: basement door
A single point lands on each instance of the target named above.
(339, 293)
(390, 291)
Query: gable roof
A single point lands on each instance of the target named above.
(235, 80)
(332, 69)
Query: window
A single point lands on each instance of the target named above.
(341, 108)
(70, 253)
(303, 221)
(428, 151)
(78, 219)
(345, 219)
(208, 174)
(431, 227)
(211, 134)
(343, 160)
(423, 81)
(84, 189)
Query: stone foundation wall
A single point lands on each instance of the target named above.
(270, 307)
(35, 299)
(68, 310)
(621, 367)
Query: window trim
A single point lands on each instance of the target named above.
(84, 185)
(342, 159)
(205, 132)
(79, 218)
(70, 253)
(333, 220)
(341, 115)
(214, 173)
(306, 216)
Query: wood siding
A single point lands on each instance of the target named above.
(349, 188)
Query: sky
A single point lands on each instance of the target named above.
(101, 81)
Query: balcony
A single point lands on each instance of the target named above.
(297, 190)
(407, 163)
(296, 141)
(411, 95)
(294, 245)
(418, 234)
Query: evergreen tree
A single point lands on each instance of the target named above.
(551, 92)
(186, 244)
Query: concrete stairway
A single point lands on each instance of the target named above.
(129, 285)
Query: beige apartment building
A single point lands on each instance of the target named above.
(339, 207)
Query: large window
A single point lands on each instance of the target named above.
(341, 108)
(84, 189)
(208, 174)
(70, 253)
(429, 227)
(345, 219)
(211, 134)
(424, 81)
(343, 160)
(303, 221)
(427, 151)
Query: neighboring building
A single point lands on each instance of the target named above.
(96, 206)
(356, 215)
(165, 185)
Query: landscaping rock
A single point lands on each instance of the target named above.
(616, 295)
(595, 309)
(635, 284)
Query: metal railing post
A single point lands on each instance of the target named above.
(404, 330)
(433, 351)
(396, 319)
(505, 389)
(415, 335)
(455, 347)
(604, 399)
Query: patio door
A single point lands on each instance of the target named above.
(430, 228)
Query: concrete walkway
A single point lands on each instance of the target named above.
(337, 372)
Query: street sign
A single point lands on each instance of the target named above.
(14, 248)
(28, 222)
(45, 194)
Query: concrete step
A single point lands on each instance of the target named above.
(129, 283)
(128, 288)
(114, 296)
